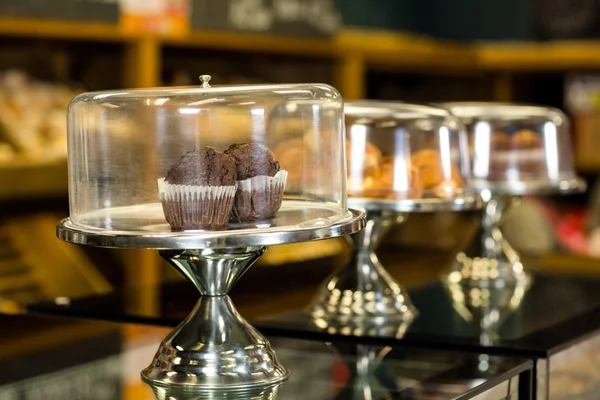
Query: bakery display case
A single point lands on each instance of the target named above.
(516, 150)
(401, 159)
(151, 168)
(95, 360)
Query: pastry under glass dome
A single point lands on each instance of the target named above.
(155, 168)
(516, 150)
(401, 158)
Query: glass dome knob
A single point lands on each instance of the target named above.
(205, 79)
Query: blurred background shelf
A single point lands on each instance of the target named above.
(27, 179)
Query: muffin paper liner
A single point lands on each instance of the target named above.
(258, 197)
(196, 207)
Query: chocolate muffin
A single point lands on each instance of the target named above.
(252, 160)
(260, 183)
(198, 191)
(206, 166)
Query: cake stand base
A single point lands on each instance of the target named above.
(489, 261)
(362, 290)
(214, 348)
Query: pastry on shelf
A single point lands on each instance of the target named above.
(32, 119)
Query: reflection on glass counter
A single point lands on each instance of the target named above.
(557, 317)
(101, 361)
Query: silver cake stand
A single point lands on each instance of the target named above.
(361, 294)
(215, 348)
(490, 260)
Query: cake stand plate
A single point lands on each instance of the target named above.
(532, 187)
(214, 348)
(361, 291)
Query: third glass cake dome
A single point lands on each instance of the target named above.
(518, 148)
(203, 160)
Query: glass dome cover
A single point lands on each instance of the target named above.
(518, 148)
(201, 166)
(407, 155)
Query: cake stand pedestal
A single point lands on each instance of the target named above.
(365, 383)
(362, 292)
(490, 261)
(214, 348)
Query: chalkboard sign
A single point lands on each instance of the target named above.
(284, 17)
(74, 10)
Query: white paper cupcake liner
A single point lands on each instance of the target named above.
(259, 197)
(196, 207)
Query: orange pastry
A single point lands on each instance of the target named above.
(290, 154)
(385, 186)
(500, 141)
(526, 139)
(429, 163)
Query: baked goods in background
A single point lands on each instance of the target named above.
(516, 155)
(374, 175)
(526, 139)
(32, 119)
(425, 175)
(290, 154)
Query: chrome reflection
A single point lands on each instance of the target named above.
(490, 260)
(214, 348)
(362, 292)
(270, 392)
(486, 303)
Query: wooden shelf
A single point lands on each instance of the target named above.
(77, 31)
(559, 55)
(26, 179)
(396, 50)
(256, 43)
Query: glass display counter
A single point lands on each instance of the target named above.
(555, 323)
(101, 361)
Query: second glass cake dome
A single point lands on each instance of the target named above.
(204, 161)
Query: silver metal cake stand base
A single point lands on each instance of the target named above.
(490, 261)
(214, 348)
(362, 294)
(267, 392)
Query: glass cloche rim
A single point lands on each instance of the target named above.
(229, 90)
(393, 109)
(483, 109)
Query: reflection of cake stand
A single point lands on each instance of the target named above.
(490, 260)
(487, 307)
(362, 291)
(214, 348)
(364, 368)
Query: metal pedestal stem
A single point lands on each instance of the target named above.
(214, 348)
(362, 290)
(490, 260)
